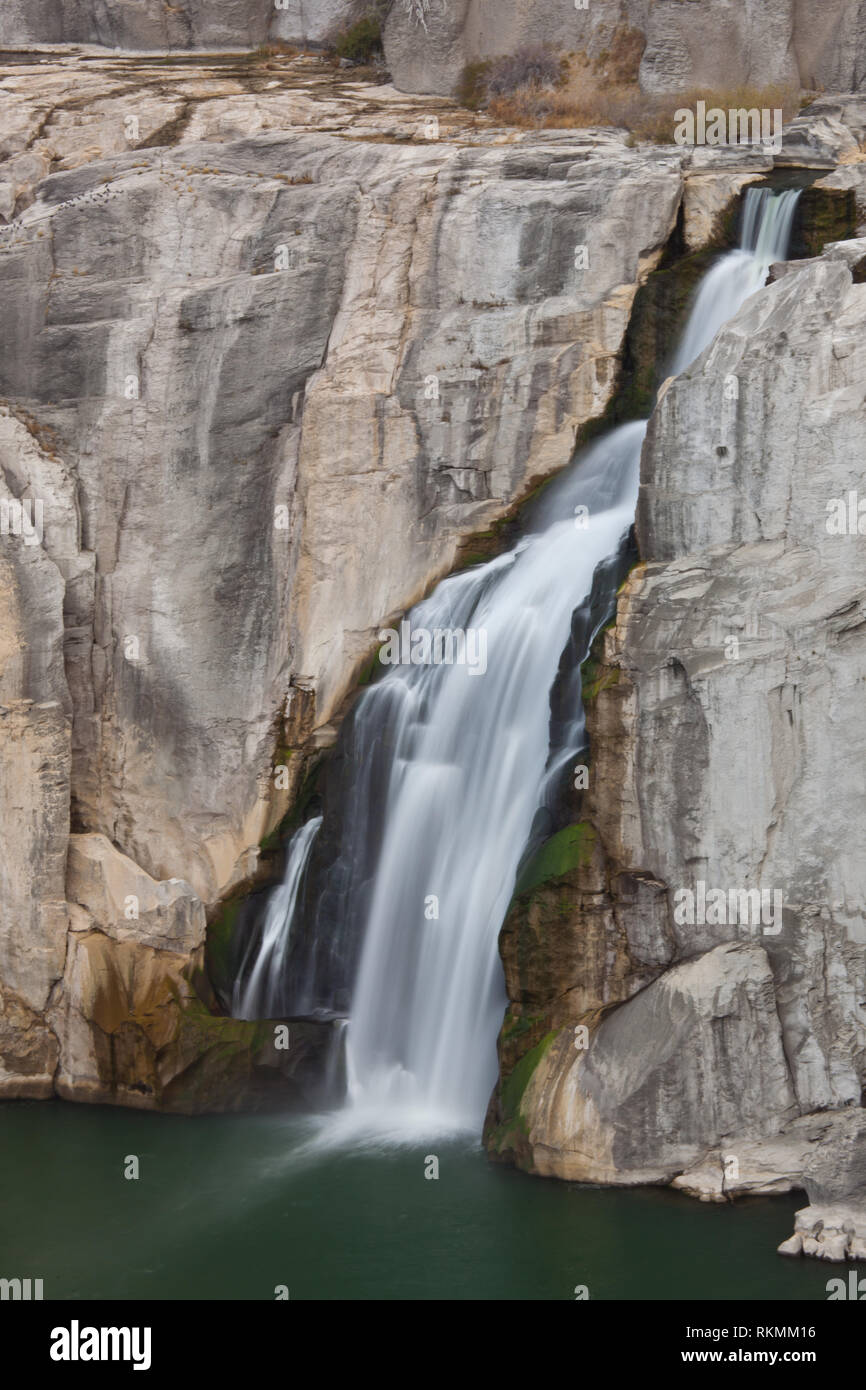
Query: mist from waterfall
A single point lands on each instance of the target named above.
(468, 762)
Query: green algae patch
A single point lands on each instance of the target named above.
(507, 1134)
(514, 1087)
(371, 668)
(595, 677)
(219, 945)
(221, 1064)
(517, 1026)
(569, 849)
(226, 1038)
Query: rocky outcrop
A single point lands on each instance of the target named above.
(133, 1032)
(640, 1100)
(263, 387)
(718, 44)
(138, 24)
(127, 902)
(833, 1226)
(151, 25)
(725, 740)
(277, 348)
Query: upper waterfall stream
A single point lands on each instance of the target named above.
(465, 758)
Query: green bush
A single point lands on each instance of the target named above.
(362, 41)
(472, 88)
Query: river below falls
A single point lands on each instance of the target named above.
(230, 1207)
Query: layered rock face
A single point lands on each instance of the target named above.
(725, 795)
(256, 390)
(137, 24)
(719, 43)
(277, 347)
(148, 25)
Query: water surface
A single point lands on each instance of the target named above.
(228, 1207)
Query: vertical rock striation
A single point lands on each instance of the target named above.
(727, 742)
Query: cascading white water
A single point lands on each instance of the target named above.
(470, 763)
(470, 754)
(764, 238)
(257, 988)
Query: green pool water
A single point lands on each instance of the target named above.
(230, 1207)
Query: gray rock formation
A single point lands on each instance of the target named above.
(718, 44)
(728, 724)
(653, 1089)
(151, 25)
(727, 45)
(276, 350)
(262, 387)
(137, 24)
(833, 1226)
(430, 56)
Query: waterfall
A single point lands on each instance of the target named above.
(765, 232)
(466, 759)
(258, 987)
(470, 754)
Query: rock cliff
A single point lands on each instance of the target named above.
(718, 44)
(279, 346)
(257, 389)
(702, 1048)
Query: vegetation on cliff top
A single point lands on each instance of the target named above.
(539, 88)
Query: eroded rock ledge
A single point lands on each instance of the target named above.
(680, 46)
(727, 742)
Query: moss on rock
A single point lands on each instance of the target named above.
(571, 848)
(506, 1134)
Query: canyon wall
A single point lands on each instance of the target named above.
(256, 390)
(151, 25)
(723, 44)
(277, 352)
(717, 43)
(657, 1041)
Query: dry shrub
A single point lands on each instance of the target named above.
(276, 48)
(526, 73)
(588, 97)
(621, 62)
(529, 68)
